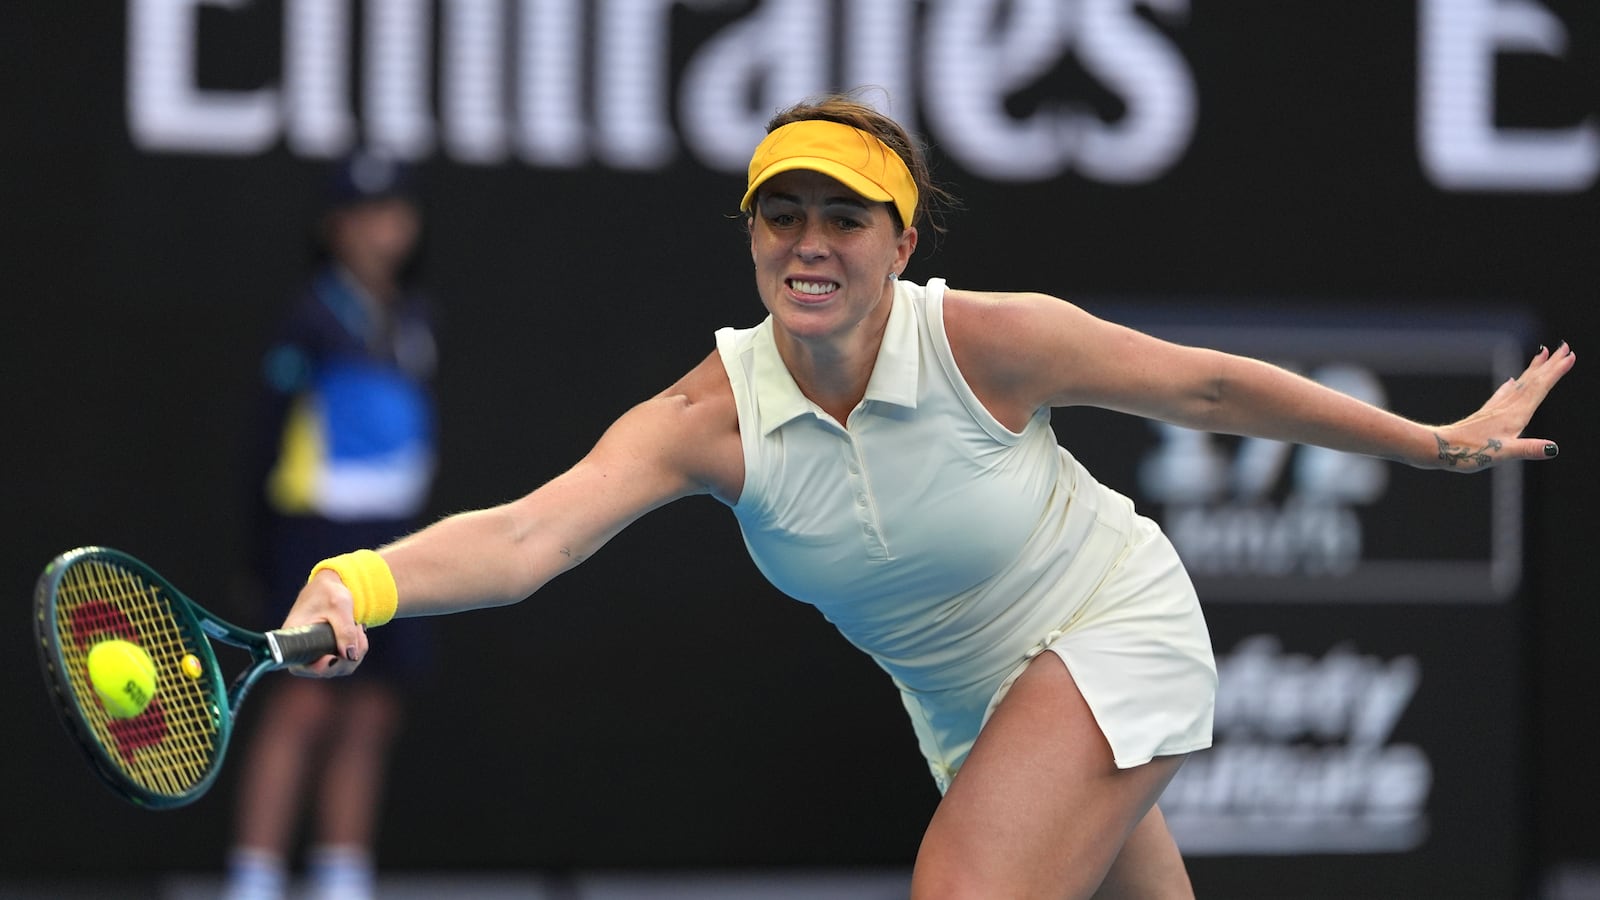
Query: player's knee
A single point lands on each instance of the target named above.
(948, 874)
(945, 882)
(962, 883)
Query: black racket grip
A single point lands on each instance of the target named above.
(302, 644)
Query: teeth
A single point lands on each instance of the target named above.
(813, 287)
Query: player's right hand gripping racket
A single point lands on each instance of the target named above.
(168, 754)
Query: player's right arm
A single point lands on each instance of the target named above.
(681, 442)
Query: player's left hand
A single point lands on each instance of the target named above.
(1493, 434)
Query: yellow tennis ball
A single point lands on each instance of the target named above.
(123, 675)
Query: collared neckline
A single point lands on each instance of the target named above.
(894, 372)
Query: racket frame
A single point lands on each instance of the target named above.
(198, 628)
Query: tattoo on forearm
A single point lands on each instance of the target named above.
(578, 557)
(1455, 456)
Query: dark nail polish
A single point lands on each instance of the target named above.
(1551, 450)
(350, 653)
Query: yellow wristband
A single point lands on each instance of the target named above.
(371, 584)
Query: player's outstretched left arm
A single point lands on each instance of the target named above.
(1022, 351)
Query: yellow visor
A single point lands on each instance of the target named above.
(855, 158)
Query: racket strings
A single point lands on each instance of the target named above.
(170, 746)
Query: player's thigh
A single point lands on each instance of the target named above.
(1039, 808)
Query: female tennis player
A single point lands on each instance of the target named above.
(886, 448)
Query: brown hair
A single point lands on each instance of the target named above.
(847, 109)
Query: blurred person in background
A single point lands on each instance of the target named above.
(345, 457)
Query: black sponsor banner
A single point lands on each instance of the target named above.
(1362, 750)
(581, 162)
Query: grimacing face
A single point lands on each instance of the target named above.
(823, 254)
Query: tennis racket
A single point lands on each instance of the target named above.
(169, 754)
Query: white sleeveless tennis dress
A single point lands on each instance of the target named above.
(954, 550)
